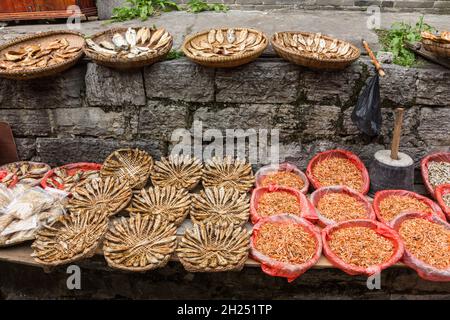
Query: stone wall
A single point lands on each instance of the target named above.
(87, 112)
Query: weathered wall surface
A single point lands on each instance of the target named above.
(87, 112)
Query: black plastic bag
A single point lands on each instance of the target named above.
(367, 113)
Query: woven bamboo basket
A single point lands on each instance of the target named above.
(224, 61)
(440, 49)
(75, 40)
(312, 62)
(124, 63)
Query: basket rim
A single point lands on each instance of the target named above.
(36, 71)
(294, 53)
(223, 59)
(124, 61)
(436, 44)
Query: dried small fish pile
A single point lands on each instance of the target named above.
(139, 243)
(286, 242)
(278, 202)
(438, 172)
(169, 203)
(103, 197)
(69, 238)
(335, 171)
(208, 247)
(67, 180)
(133, 44)
(39, 56)
(228, 173)
(427, 241)
(132, 165)
(218, 205)
(177, 171)
(315, 45)
(360, 246)
(443, 37)
(392, 206)
(226, 42)
(283, 178)
(29, 173)
(341, 207)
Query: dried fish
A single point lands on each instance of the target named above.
(119, 41)
(107, 45)
(177, 171)
(28, 173)
(130, 36)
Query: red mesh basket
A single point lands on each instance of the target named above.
(423, 269)
(338, 154)
(380, 229)
(441, 191)
(440, 156)
(307, 210)
(319, 193)
(277, 268)
(285, 166)
(380, 195)
(72, 169)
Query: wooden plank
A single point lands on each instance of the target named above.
(58, 14)
(418, 49)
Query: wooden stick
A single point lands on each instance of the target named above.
(374, 59)
(397, 133)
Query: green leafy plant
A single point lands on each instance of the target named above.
(196, 6)
(394, 40)
(174, 54)
(142, 9)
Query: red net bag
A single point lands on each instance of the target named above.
(362, 180)
(442, 191)
(324, 220)
(269, 170)
(304, 206)
(410, 257)
(307, 249)
(11, 182)
(438, 157)
(381, 195)
(391, 256)
(71, 170)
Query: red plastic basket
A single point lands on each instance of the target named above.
(285, 166)
(71, 168)
(440, 156)
(441, 191)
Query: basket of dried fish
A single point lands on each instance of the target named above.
(443, 198)
(69, 238)
(40, 55)
(209, 247)
(24, 172)
(128, 48)
(181, 172)
(71, 175)
(225, 47)
(139, 243)
(169, 203)
(133, 165)
(439, 44)
(314, 50)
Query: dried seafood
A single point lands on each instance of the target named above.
(443, 37)
(133, 165)
(446, 199)
(104, 197)
(392, 206)
(438, 172)
(214, 248)
(427, 241)
(169, 203)
(361, 246)
(217, 205)
(278, 202)
(133, 44)
(139, 243)
(226, 42)
(340, 207)
(177, 171)
(67, 179)
(68, 239)
(228, 173)
(39, 56)
(29, 173)
(315, 45)
(286, 242)
(283, 178)
(335, 171)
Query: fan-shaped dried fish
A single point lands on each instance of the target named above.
(228, 173)
(169, 203)
(214, 248)
(104, 197)
(133, 165)
(68, 239)
(139, 243)
(218, 205)
(177, 171)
